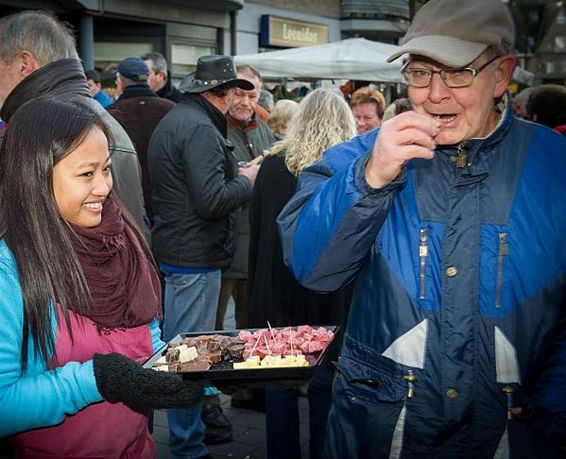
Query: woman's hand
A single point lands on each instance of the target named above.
(120, 379)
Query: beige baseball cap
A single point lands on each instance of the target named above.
(456, 32)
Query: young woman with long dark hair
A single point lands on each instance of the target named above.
(80, 302)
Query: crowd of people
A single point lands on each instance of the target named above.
(431, 229)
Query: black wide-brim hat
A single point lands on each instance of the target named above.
(214, 71)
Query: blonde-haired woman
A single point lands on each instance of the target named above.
(323, 119)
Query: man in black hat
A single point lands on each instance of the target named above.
(138, 110)
(198, 190)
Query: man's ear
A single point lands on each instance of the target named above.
(28, 63)
(503, 74)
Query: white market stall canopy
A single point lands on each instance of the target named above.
(350, 59)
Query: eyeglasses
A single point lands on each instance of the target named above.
(453, 78)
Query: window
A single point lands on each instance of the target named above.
(184, 57)
(109, 54)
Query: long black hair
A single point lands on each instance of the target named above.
(39, 135)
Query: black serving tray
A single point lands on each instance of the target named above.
(245, 375)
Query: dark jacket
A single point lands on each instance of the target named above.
(139, 110)
(66, 79)
(196, 190)
(169, 91)
(275, 295)
(249, 140)
(459, 297)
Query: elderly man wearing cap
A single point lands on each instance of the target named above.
(198, 190)
(138, 110)
(451, 222)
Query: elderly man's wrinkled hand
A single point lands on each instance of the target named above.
(402, 138)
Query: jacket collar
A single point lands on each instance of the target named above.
(475, 152)
(215, 115)
(168, 91)
(60, 78)
(137, 90)
(499, 131)
(244, 126)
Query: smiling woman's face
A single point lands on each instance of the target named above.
(464, 113)
(82, 181)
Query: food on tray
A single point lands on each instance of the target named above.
(262, 348)
(178, 357)
(186, 353)
(286, 341)
(272, 361)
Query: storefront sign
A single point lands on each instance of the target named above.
(282, 32)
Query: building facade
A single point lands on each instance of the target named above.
(183, 30)
(264, 25)
(110, 30)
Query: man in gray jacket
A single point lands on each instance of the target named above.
(38, 57)
(251, 137)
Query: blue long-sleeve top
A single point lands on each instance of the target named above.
(40, 397)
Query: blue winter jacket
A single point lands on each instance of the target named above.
(460, 294)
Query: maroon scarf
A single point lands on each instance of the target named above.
(123, 283)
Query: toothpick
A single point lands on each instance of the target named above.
(255, 345)
(291, 339)
(271, 330)
(267, 345)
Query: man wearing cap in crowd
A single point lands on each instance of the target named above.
(451, 222)
(198, 190)
(138, 110)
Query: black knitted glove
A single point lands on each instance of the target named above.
(120, 379)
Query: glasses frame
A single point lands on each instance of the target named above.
(442, 74)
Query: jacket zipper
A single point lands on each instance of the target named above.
(423, 254)
(461, 157)
(503, 249)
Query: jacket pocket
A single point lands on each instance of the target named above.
(502, 252)
(367, 385)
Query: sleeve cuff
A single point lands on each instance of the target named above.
(365, 188)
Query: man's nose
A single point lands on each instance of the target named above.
(245, 100)
(438, 89)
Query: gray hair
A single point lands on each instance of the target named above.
(127, 82)
(266, 100)
(249, 69)
(523, 95)
(396, 107)
(159, 62)
(282, 113)
(40, 33)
